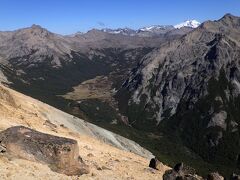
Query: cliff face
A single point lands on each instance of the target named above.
(190, 87)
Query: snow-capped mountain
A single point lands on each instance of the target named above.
(189, 23)
(155, 28)
(147, 31)
(150, 30)
(123, 31)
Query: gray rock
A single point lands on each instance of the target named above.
(214, 176)
(235, 177)
(155, 164)
(61, 154)
(181, 172)
(2, 149)
(218, 119)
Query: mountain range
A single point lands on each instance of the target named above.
(173, 89)
(155, 30)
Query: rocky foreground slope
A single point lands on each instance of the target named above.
(104, 161)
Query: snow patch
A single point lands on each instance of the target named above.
(189, 23)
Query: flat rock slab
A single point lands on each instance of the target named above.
(61, 154)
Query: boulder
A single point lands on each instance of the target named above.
(235, 177)
(61, 154)
(178, 167)
(2, 149)
(181, 172)
(214, 176)
(155, 164)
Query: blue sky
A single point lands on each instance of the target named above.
(69, 16)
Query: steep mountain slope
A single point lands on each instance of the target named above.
(189, 89)
(57, 117)
(104, 160)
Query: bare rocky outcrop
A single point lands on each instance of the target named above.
(214, 176)
(5, 95)
(181, 172)
(235, 177)
(155, 164)
(61, 154)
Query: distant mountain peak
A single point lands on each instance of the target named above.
(228, 15)
(189, 23)
(156, 27)
(37, 30)
(36, 26)
(230, 19)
